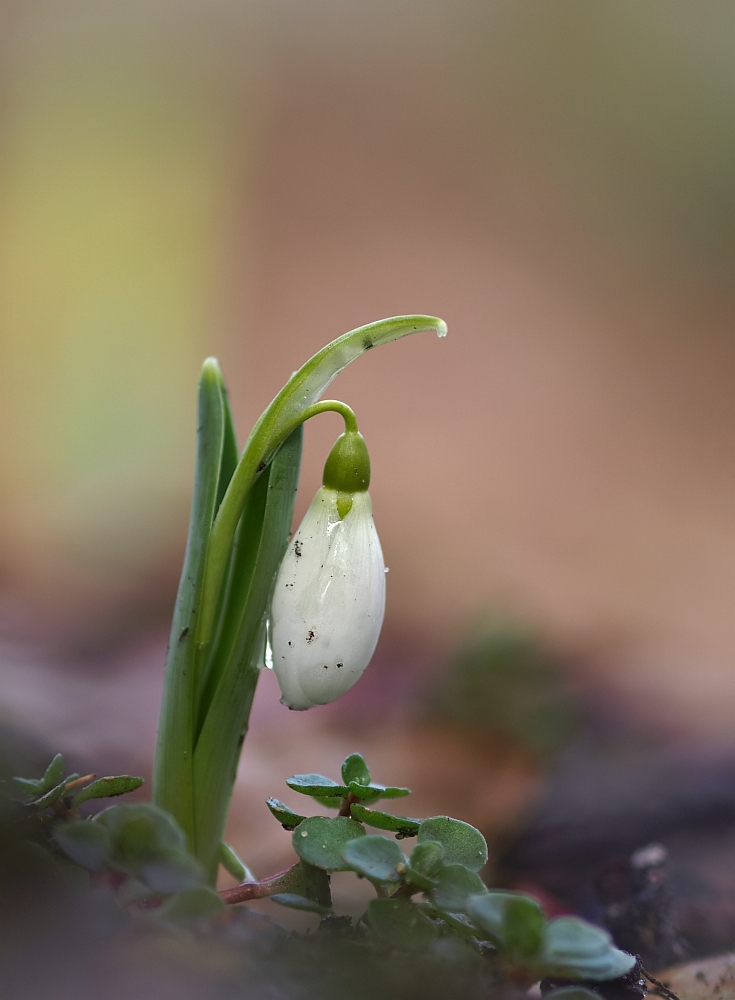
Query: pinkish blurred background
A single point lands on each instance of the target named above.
(252, 180)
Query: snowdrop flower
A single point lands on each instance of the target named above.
(329, 596)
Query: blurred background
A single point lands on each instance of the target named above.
(553, 484)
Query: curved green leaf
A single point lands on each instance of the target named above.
(281, 417)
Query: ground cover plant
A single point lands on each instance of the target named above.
(311, 607)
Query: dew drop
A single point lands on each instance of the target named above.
(268, 656)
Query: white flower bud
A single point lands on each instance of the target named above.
(329, 600)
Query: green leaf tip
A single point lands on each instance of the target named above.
(211, 368)
(288, 819)
(233, 864)
(354, 768)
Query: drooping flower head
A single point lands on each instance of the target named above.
(329, 597)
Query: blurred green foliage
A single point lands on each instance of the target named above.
(503, 682)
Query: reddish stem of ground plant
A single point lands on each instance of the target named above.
(280, 882)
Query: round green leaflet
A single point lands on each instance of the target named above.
(572, 947)
(315, 785)
(453, 887)
(320, 841)
(462, 843)
(375, 858)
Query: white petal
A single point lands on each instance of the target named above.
(328, 602)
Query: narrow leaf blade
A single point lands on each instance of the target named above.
(105, 788)
(403, 826)
(172, 777)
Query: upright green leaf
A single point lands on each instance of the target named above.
(54, 773)
(234, 598)
(173, 788)
(230, 453)
(217, 748)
